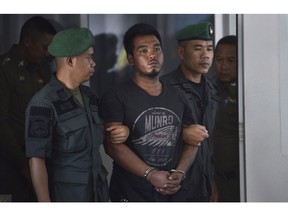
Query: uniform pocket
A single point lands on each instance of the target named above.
(75, 132)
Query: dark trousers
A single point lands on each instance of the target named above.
(228, 185)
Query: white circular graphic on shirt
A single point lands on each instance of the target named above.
(155, 134)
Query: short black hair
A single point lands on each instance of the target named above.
(36, 26)
(228, 40)
(136, 30)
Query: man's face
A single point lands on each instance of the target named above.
(196, 55)
(225, 61)
(147, 59)
(84, 66)
(37, 48)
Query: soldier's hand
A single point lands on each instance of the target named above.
(117, 133)
(194, 134)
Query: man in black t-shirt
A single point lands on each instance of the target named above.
(151, 165)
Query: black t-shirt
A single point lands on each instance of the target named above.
(155, 122)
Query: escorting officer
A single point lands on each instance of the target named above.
(226, 137)
(21, 75)
(195, 51)
(63, 129)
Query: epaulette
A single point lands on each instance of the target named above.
(6, 60)
(21, 63)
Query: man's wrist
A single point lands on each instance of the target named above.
(178, 171)
(148, 171)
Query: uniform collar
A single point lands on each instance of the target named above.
(61, 91)
(182, 80)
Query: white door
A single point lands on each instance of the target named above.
(263, 65)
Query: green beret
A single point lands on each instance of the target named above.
(71, 42)
(201, 31)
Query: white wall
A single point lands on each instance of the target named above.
(265, 164)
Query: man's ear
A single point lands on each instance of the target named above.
(27, 41)
(180, 52)
(69, 61)
(130, 59)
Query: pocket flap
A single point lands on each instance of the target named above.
(74, 124)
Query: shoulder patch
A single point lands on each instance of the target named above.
(39, 125)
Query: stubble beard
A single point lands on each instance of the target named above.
(153, 74)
